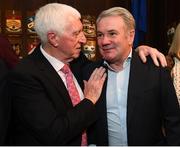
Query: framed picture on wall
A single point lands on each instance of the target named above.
(32, 42)
(16, 43)
(89, 26)
(13, 21)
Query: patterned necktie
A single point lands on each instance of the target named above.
(74, 95)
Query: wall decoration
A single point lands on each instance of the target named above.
(13, 21)
(89, 26)
(33, 41)
(89, 49)
(30, 22)
(16, 43)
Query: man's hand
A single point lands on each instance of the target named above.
(93, 87)
(156, 56)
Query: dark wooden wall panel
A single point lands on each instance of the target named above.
(161, 13)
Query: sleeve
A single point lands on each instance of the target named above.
(35, 110)
(171, 109)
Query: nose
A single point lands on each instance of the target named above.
(82, 38)
(103, 40)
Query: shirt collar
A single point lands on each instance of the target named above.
(126, 61)
(57, 64)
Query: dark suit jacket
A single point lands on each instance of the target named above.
(4, 102)
(151, 103)
(43, 113)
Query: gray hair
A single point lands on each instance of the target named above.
(119, 11)
(53, 17)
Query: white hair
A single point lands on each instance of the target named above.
(53, 17)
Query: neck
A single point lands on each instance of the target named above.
(117, 64)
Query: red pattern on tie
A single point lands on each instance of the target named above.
(74, 95)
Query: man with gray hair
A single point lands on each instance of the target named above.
(48, 105)
(137, 99)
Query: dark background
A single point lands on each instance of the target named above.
(161, 14)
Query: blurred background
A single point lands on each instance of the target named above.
(155, 22)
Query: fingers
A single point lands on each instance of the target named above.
(157, 57)
(85, 83)
(103, 78)
(154, 58)
(101, 72)
(162, 60)
(97, 73)
(142, 56)
(143, 52)
(93, 87)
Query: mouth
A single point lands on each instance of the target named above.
(108, 47)
(78, 48)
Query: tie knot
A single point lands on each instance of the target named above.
(65, 69)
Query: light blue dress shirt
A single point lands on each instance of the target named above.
(117, 89)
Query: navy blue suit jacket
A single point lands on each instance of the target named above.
(4, 102)
(42, 111)
(151, 103)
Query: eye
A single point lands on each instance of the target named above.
(112, 33)
(76, 34)
(99, 35)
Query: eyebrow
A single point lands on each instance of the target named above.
(108, 31)
(77, 32)
(112, 31)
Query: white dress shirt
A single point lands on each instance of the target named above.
(57, 65)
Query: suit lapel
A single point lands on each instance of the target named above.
(51, 75)
(102, 126)
(77, 66)
(77, 71)
(136, 83)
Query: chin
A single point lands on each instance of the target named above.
(107, 57)
(76, 55)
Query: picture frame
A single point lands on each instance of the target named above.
(89, 26)
(13, 21)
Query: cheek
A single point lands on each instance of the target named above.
(70, 45)
(74, 43)
(99, 42)
(101, 51)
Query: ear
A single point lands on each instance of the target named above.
(52, 39)
(131, 36)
